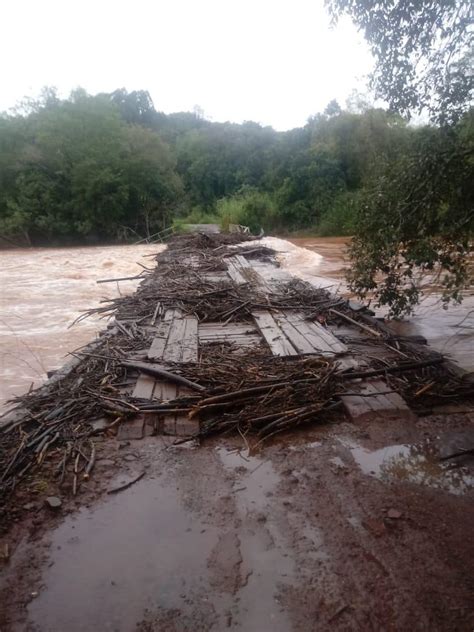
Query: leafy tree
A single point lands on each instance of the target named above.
(417, 219)
(417, 214)
(423, 52)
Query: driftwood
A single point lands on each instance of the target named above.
(130, 278)
(399, 368)
(370, 330)
(157, 371)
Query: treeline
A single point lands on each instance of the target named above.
(110, 167)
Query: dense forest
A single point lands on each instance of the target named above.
(111, 167)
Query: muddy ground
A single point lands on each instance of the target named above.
(337, 527)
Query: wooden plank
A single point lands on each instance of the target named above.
(165, 391)
(182, 342)
(357, 407)
(160, 340)
(174, 350)
(320, 338)
(189, 342)
(234, 272)
(233, 328)
(276, 339)
(298, 340)
(377, 406)
(241, 261)
(144, 386)
(162, 334)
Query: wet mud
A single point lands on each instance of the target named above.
(340, 531)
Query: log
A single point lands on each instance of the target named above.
(399, 368)
(157, 371)
(355, 322)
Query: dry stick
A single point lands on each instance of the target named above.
(45, 448)
(458, 453)
(115, 490)
(76, 467)
(399, 368)
(155, 314)
(156, 371)
(355, 322)
(91, 462)
(235, 395)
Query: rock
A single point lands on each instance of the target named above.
(376, 527)
(29, 506)
(130, 457)
(53, 502)
(394, 514)
(105, 463)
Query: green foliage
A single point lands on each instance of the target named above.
(423, 52)
(340, 217)
(75, 169)
(417, 219)
(248, 207)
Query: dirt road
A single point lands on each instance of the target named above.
(341, 528)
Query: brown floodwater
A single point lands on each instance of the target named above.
(448, 331)
(44, 289)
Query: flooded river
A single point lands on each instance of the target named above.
(44, 290)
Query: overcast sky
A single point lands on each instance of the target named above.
(271, 61)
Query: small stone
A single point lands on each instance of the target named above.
(376, 527)
(105, 463)
(394, 514)
(130, 457)
(53, 502)
(29, 506)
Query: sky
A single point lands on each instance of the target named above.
(271, 61)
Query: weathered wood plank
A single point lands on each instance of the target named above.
(234, 272)
(174, 350)
(320, 338)
(163, 329)
(297, 339)
(160, 340)
(189, 343)
(276, 339)
(377, 405)
(144, 387)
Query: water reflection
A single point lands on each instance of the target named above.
(413, 464)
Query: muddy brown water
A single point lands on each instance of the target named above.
(43, 290)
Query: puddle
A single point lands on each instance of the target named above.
(413, 464)
(257, 477)
(264, 552)
(139, 550)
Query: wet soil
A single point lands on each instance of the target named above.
(344, 527)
